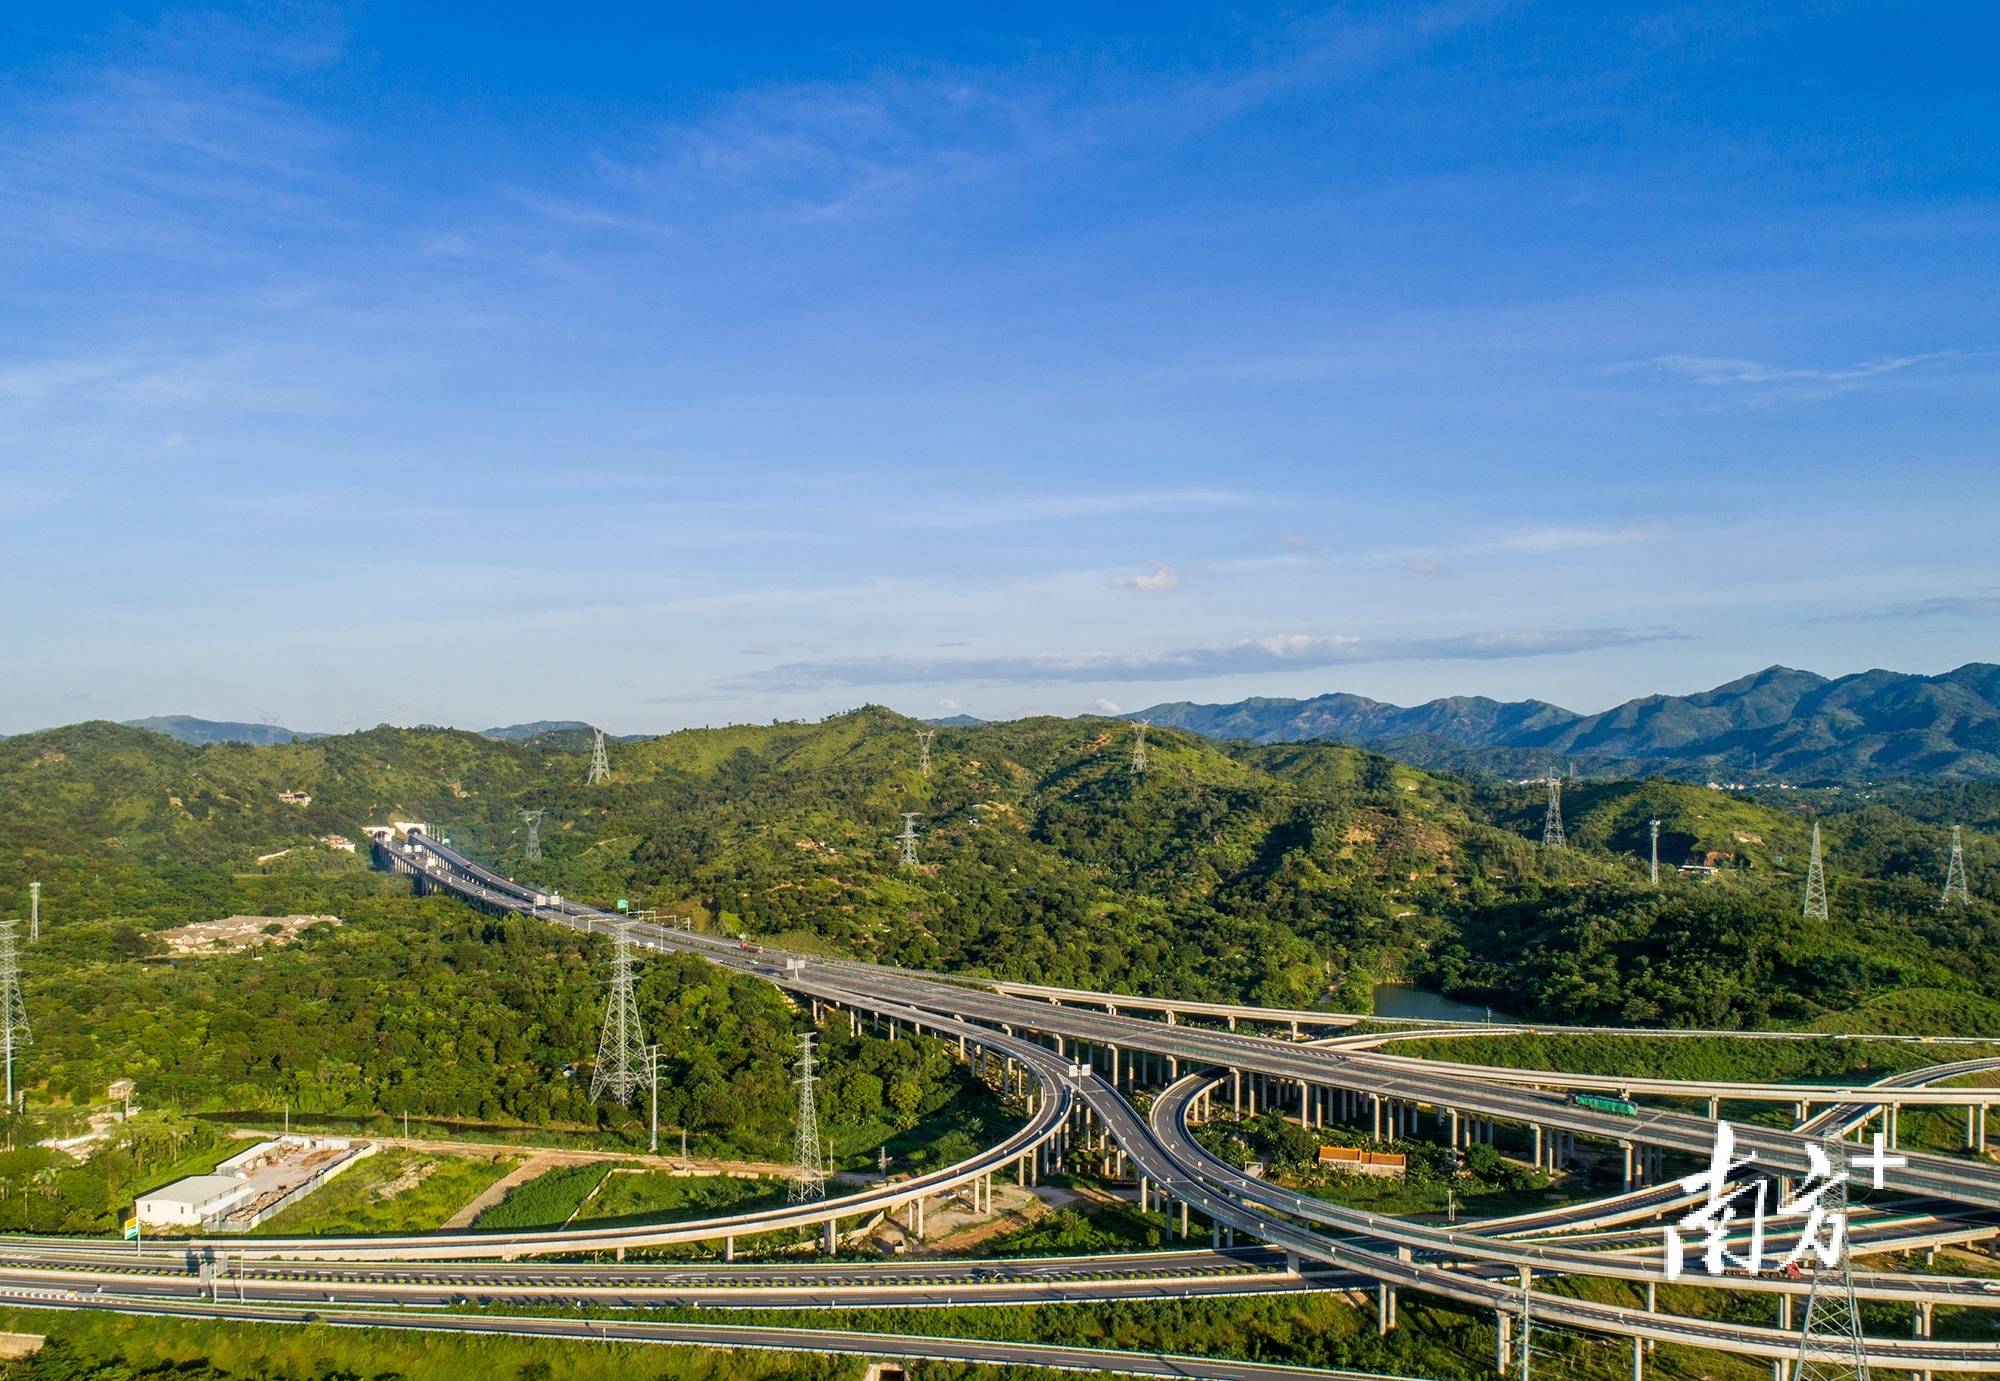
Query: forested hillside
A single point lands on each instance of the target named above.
(1296, 873)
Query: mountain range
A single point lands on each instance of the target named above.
(1777, 723)
(189, 729)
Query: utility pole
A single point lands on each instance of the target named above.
(809, 1173)
(13, 1011)
(924, 737)
(1815, 882)
(1954, 874)
(600, 766)
(533, 820)
(621, 1049)
(653, 1065)
(1552, 818)
(35, 902)
(908, 839)
(1831, 1346)
(1526, 1326)
(1139, 749)
(1654, 872)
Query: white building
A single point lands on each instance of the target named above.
(190, 1202)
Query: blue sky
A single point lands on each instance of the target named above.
(664, 368)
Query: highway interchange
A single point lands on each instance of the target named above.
(1076, 1058)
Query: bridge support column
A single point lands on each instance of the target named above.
(1638, 1359)
(1295, 1030)
(1451, 1117)
(1895, 1124)
(1715, 1109)
(1145, 1196)
(1376, 1100)
(1236, 1091)
(729, 1249)
(1503, 1339)
(1184, 1219)
(1920, 1327)
(1021, 1171)
(1540, 1150)
(1626, 1147)
(829, 1238)
(1305, 1105)
(1385, 1308)
(1784, 1310)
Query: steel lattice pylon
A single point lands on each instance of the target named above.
(533, 820)
(1653, 871)
(1832, 1348)
(809, 1170)
(1139, 749)
(1954, 873)
(600, 766)
(908, 839)
(621, 1050)
(1552, 820)
(13, 1011)
(1815, 881)
(924, 737)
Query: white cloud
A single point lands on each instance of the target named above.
(1249, 656)
(1103, 706)
(950, 706)
(1156, 581)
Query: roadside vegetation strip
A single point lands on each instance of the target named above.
(753, 1337)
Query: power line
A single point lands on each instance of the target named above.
(924, 737)
(1816, 881)
(908, 839)
(1954, 873)
(1552, 819)
(600, 766)
(809, 1168)
(13, 1011)
(621, 1049)
(533, 820)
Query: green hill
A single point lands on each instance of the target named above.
(1289, 873)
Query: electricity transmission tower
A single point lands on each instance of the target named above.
(924, 737)
(621, 1050)
(908, 839)
(1552, 820)
(1653, 873)
(600, 766)
(809, 1172)
(533, 820)
(35, 901)
(1815, 881)
(13, 1012)
(1139, 749)
(1831, 1348)
(1954, 873)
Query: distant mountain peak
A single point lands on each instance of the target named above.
(188, 729)
(1778, 722)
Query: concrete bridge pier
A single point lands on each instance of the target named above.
(1305, 1105)
(1503, 1339)
(1784, 1310)
(1626, 1148)
(829, 1238)
(1452, 1139)
(1541, 1152)
(1375, 1101)
(1236, 1091)
(1638, 1359)
(1920, 1327)
(1184, 1219)
(729, 1249)
(1385, 1308)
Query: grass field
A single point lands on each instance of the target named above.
(651, 1195)
(547, 1200)
(394, 1190)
